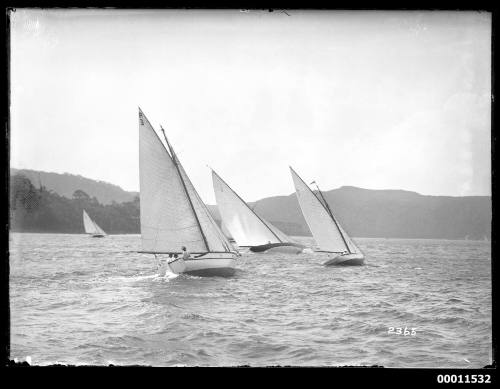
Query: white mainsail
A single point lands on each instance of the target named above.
(326, 230)
(172, 213)
(246, 227)
(225, 231)
(91, 226)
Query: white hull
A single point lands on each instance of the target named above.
(334, 259)
(211, 264)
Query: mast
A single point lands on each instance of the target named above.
(327, 206)
(174, 159)
(212, 221)
(251, 209)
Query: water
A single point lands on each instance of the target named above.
(79, 300)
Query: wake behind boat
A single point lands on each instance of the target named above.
(335, 245)
(173, 214)
(246, 227)
(91, 227)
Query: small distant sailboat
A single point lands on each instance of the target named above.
(246, 227)
(91, 227)
(173, 214)
(326, 230)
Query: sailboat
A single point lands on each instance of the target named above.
(91, 227)
(173, 214)
(246, 227)
(331, 238)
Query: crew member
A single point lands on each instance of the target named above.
(185, 253)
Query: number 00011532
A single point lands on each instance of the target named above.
(464, 379)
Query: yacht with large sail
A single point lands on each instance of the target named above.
(331, 238)
(91, 227)
(173, 214)
(246, 227)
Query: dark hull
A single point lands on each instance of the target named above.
(350, 262)
(97, 236)
(264, 247)
(346, 260)
(214, 272)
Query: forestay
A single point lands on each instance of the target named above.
(246, 227)
(352, 247)
(214, 236)
(326, 231)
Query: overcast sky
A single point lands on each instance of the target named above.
(378, 100)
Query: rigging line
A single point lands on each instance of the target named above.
(208, 215)
(326, 209)
(277, 237)
(174, 159)
(333, 217)
(338, 225)
(221, 235)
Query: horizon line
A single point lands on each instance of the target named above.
(270, 196)
(279, 195)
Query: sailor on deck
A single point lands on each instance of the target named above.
(185, 253)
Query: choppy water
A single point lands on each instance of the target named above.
(79, 300)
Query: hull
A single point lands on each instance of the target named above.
(97, 236)
(356, 259)
(207, 265)
(287, 248)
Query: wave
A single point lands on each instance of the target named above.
(134, 278)
(85, 306)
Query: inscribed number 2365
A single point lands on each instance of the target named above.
(402, 331)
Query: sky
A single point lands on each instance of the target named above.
(373, 99)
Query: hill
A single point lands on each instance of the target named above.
(393, 213)
(66, 184)
(362, 212)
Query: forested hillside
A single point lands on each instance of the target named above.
(362, 212)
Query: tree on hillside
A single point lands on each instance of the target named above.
(23, 194)
(80, 195)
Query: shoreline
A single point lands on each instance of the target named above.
(292, 236)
